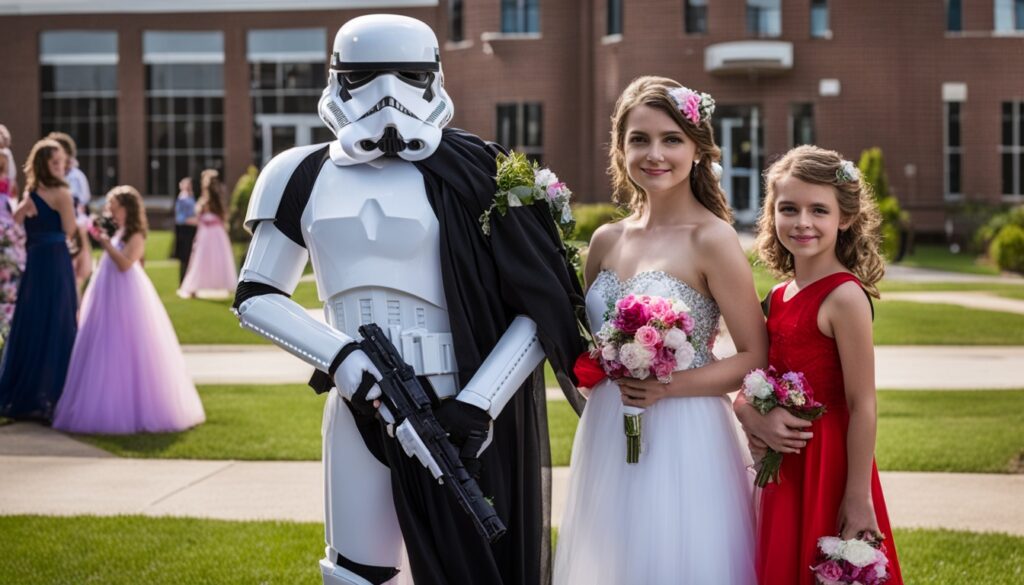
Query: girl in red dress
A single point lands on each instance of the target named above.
(820, 227)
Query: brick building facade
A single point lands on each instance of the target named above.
(157, 90)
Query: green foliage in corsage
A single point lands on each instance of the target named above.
(522, 182)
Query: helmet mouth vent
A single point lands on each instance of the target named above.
(388, 102)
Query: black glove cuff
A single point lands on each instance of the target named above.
(342, 354)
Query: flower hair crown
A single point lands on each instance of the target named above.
(696, 106)
(847, 172)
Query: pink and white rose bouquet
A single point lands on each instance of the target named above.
(851, 562)
(644, 336)
(767, 389)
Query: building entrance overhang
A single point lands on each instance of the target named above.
(749, 58)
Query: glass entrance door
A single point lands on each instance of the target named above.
(740, 137)
(279, 132)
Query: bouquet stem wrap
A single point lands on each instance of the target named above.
(768, 468)
(634, 427)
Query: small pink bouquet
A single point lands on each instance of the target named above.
(643, 336)
(767, 390)
(851, 562)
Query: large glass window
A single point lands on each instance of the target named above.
(1011, 148)
(819, 20)
(287, 76)
(954, 15)
(801, 124)
(78, 87)
(456, 20)
(764, 17)
(953, 150)
(521, 128)
(614, 25)
(1009, 15)
(184, 105)
(520, 16)
(695, 17)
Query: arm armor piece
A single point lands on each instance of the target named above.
(287, 324)
(509, 364)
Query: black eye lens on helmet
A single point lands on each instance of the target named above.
(418, 78)
(356, 78)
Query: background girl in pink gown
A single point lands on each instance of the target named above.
(212, 267)
(127, 372)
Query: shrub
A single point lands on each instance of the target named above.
(1007, 248)
(240, 204)
(590, 216)
(895, 221)
(987, 233)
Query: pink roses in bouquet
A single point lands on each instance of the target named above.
(845, 562)
(644, 335)
(766, 390)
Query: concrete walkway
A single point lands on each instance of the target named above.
(896, 272)
(896, 367)
(286, 490)
(970, 299)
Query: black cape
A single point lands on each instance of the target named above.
(519, 269)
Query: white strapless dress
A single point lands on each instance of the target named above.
(683, 515)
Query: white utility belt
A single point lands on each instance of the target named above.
(430, 354)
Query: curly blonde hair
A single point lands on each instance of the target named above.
(856, 246)
(135, 221)
(653, 91)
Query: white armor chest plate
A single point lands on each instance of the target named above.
(374, 242)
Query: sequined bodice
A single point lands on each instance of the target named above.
(607, 289)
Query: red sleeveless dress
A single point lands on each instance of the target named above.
(804, 505)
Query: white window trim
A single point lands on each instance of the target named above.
(948, 150)
(79, 59)
(26, 7)
(1014, 149)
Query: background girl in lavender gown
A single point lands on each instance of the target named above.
(127, 372)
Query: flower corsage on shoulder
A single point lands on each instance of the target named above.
(522, 182)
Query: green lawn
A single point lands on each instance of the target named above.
(971, 430)
(962, 431)
(126, 550)
(938, 257)
(242, 422)
(908, 323)
(1017, 293)
(206, 321)
(129, 550)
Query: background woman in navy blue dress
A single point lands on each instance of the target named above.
(35, 359)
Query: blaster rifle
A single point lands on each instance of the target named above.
(406, 405)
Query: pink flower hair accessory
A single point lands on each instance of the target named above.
(696, 106)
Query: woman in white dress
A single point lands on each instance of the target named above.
(683, 514)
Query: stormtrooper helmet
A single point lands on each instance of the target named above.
(385, 94)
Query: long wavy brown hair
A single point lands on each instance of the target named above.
(135, 221)
(653, 91)
(211, 193)
(37, 169)
(856, 246)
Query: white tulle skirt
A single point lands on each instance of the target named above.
(682, 515)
